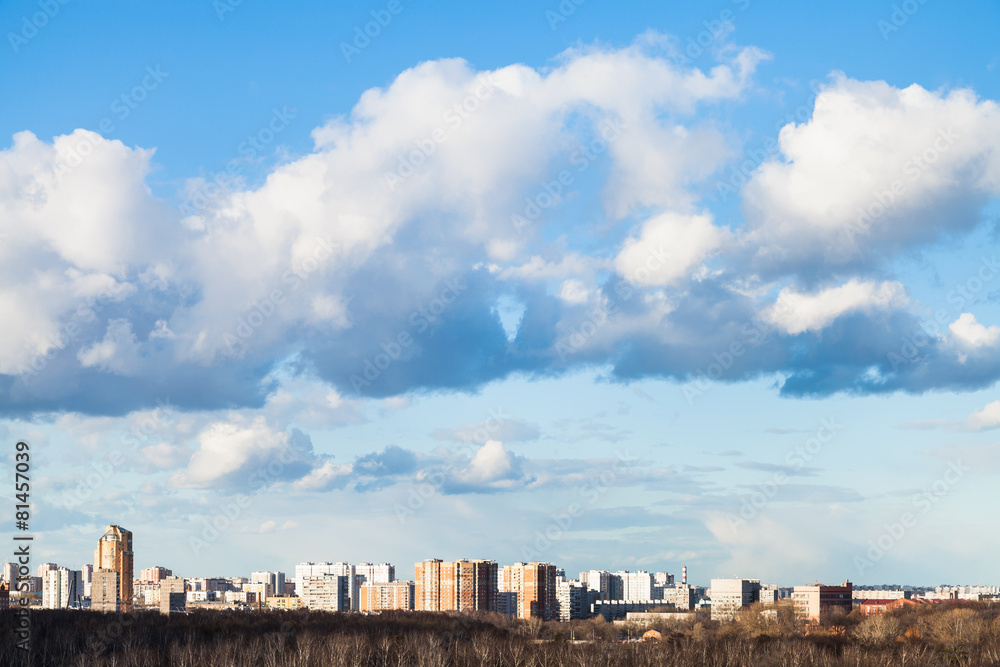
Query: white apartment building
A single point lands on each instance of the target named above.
(599, 583)
(88, 578)
(573, 599)
(684, 597)
(731, 595)
(62, 588)
(327, 592)
(635, 585)
(303, 570)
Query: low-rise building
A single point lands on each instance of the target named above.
(879, 594)
(617, 609)
(647, 618)
(285, 602)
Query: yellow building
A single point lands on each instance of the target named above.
(283, 602)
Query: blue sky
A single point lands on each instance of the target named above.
(614, 286)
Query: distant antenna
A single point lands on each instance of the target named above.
(684, 575)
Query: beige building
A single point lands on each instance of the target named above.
(105, 593)
(386, 596)
(114, 552)
(173, 599)
(814, 603)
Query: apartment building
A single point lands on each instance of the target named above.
(462, 585)
(535, 586)
(62, 588)
(573, 600)
(172, 596)
(114, 552)
(384, 596)
(814, 603)
(105, 591)
(327, 592)
(731, 595)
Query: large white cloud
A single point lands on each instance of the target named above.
(338, 254)
(79, 227)
(875, 169)
(246, 455)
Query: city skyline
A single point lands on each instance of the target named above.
(539, 590)
(630, 286)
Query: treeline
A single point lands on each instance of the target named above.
(965, 634)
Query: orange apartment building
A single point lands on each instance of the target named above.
(534, 584)
(386, 596)
(462, 585)
(114, 553)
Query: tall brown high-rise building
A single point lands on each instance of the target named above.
(535, 586)
(461, 585)
(114, 553)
